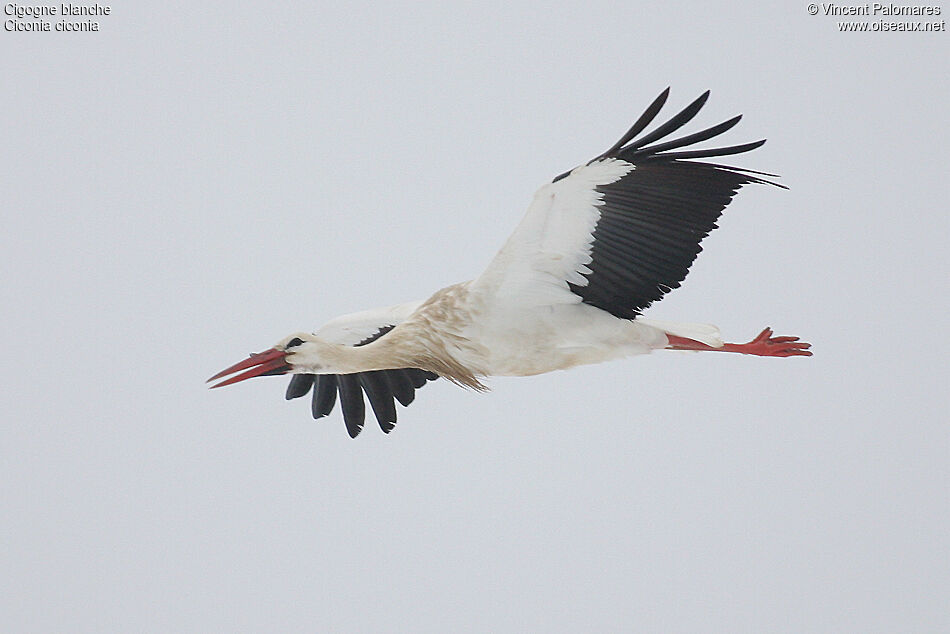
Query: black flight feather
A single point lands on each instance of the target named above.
(351, 402)
(299, 385)
(324, 395)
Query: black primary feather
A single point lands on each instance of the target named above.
(299, 385)
(380, 398)
(351, 402)
(324, 395)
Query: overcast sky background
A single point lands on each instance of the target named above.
(198, 180)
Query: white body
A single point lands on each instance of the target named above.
(497, 342)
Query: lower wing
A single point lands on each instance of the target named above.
(382, 387)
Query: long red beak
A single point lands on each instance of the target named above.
(271, 361)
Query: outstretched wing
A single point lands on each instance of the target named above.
(382, 387)
(622, 230)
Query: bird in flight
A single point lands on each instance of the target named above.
(596, 247)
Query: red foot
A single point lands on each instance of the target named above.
(764, 345)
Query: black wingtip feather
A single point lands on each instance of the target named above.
(721, 151)
(401, 386)
(633, 150)
(299, 385)
(324, 395)
(351, 402)
(690, 139)
(380, 399)
(641, 123)
(683, 117)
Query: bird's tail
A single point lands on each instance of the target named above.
(704, 333)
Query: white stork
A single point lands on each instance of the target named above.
(597, 246)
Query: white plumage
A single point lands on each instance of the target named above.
(596, 247)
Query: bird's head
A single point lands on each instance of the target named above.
(294, 354)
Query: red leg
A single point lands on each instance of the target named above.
(764, 345)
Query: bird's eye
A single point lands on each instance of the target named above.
(296, 341)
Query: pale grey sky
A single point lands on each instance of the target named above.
(197, 180)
